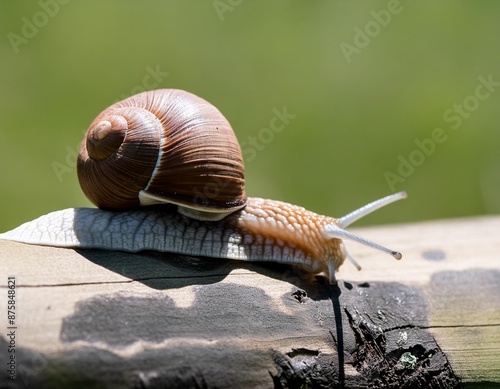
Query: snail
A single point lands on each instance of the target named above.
(166, 172)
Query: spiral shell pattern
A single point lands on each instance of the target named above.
(162, 146)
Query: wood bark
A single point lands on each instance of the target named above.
(87, 318)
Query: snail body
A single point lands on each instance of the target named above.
(223, 223)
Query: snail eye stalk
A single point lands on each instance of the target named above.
(337, 231)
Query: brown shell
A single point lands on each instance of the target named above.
(165, 145)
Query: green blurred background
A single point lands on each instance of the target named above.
(363, 88)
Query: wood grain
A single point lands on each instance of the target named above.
(154, 320)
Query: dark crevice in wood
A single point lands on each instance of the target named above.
(143, 280)
(384, 362)
(299, 352)
(335, 293)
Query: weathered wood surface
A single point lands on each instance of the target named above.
(112, 319)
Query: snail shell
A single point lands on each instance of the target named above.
(163, 146)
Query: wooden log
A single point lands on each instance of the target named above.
(113, 319)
